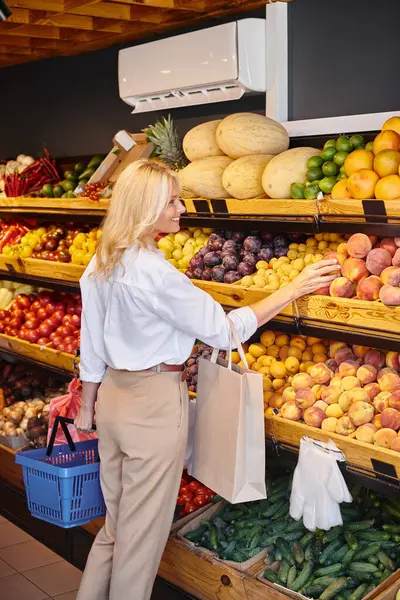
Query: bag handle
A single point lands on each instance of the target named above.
(234, 333)
(62, 421)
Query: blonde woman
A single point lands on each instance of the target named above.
(140, 319)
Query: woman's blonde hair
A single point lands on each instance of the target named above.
(141, 194)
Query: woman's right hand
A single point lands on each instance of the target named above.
(316, 276)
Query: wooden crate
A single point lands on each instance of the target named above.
(54, 205)
(9, 471)
(348, 209)
(37, 267)
(299, 209)
(360, 455)
(46, 356)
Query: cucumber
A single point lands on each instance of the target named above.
(394, 510)
(359, 593)
(306, 539)
(331, 570)
(329, 550)
(370, 550)
(332, 534)
(360, 577)
(386, 560)
(392, 528)
(213, 537)
(374, 536)
(296, 526)
(360, 525)
(362, 567)
(309, 553)
(303, 577)
(271, 576)
(282, 512)
(283, 571)
(239, 557)
(294, 536)
(291, 577)
(339, 555)
(324, 581)
(348, 557)
(351, 540)
(285, 550)
(297, 553)
(313, 591)
(334, 588)
(194, 536)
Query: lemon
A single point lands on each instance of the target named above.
(292, 365)
(257, 350)
(250, 359)
(235, 357)
(273, 351)
(278, 370)
(267, 384)
(267, 338)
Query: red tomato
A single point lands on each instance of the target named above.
(43, 341)
(13, 332)
(15, 323)
(67, 320)
(190, 508)
(23, 301)
(187, 496)
(58, 316)
(17, 314)
(2, 327)
(50, 308)
(32, 336)
(183, 482)
(184, 489)
(200, 501)
(3, 314)
(193, 485)
(76, 320)
(201, 491)
(209, 496)
(29, 314)
(35, 306)
(45, 298)
(45, 329)
(42, 314)
(180, 501)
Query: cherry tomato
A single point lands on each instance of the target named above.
(190, 508)
(200, 501)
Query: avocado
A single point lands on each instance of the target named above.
(71, 175)
(58, 191)
(86, 174)
(80, 167)
(68, 185)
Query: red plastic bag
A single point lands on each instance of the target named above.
(68, 406)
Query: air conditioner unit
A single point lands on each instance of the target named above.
(211, 65)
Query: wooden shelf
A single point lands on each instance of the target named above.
(56, 206)
(59, 361)
(46, 269)
(9, 471)
(254, 207)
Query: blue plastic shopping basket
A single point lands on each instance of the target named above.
(63, 487)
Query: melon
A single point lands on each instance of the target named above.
(285, 169)
(204, 177)
(200, 141)
(244, 134)
(243, 177)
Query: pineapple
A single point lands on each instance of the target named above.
(168, 145)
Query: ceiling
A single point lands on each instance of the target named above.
(41, 29)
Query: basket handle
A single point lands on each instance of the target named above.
(63, 422)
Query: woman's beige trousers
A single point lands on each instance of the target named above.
(142, 422)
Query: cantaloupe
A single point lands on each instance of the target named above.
(200, 141)
(204, 177)
(243, 177)
(244, 134)
(285, 169)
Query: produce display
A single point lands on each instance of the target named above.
(48, 319)
(192, 495)
(179, 248)
(192, 364)
(76, 177)
(346, 562)
(347, 167)
(49, 242)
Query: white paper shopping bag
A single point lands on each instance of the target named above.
(229, 436)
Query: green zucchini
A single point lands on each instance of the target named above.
(303, 577)
(351, 540)
(334, 588)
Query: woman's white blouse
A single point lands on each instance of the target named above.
(149, 313)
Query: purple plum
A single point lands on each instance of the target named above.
(230, 245)
(216, 242)
(230, 262)
(238, 237)
(197, 273)
(245, 268)
(203, 251)
(189, 273)
(207, 274)
(265, 254)
(232, 276)
(266, 237)
(212, 259)
(280, 241)
(252, 244)
(196, 262)
(281, 252)
(218, 273)
(250, 258)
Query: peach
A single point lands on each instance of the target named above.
(372, 389)
(366, 374)
(359, 245)
(336, 381)
(330, 424)
(335, 347)
(361, 413)
(394, 400)
(354, 269)
(346, 399)
(320, 373)
(332, 255)
(396, 444)
(393, 277)
(349, 383)
(390, 418)
(344, 426)
(360, 351)
(348, 368)
(305, 398)
(344, 353)
(385, 274)
(385, 371)
(376, 358)
(291, 411)
(376, 421)
(342, 249)
(384, 437)
(322, 291)
(381, 401)
(334, 410)
(373, 239)
(301, 381)
(332, 364)
(368, 289)
(317, 390)
(322, 405)
(390, 295)
(389, 245)
(331, 394)
(393, 360)
(396, 258)
(378, 260)
(288, 394)
(365, 433)
(313, 416)
(341, 287)
(389, 382)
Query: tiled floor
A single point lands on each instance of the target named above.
(30, 571)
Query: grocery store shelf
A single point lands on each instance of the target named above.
(43, 269)
(59, 362)
(57, 208)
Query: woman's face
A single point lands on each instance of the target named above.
(168, 221)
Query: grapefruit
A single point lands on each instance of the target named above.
(340, 190)
(387, 162)
(361, 184)
(393, 124)
(388, 188)
(358, 159)
(386, 140)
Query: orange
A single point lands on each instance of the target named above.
(393, 124)
(386, 140)
(358, 159)
(340, 190)
(387, 162)
(362, 184)
(388, 188)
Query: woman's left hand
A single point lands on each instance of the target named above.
(84, 420)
